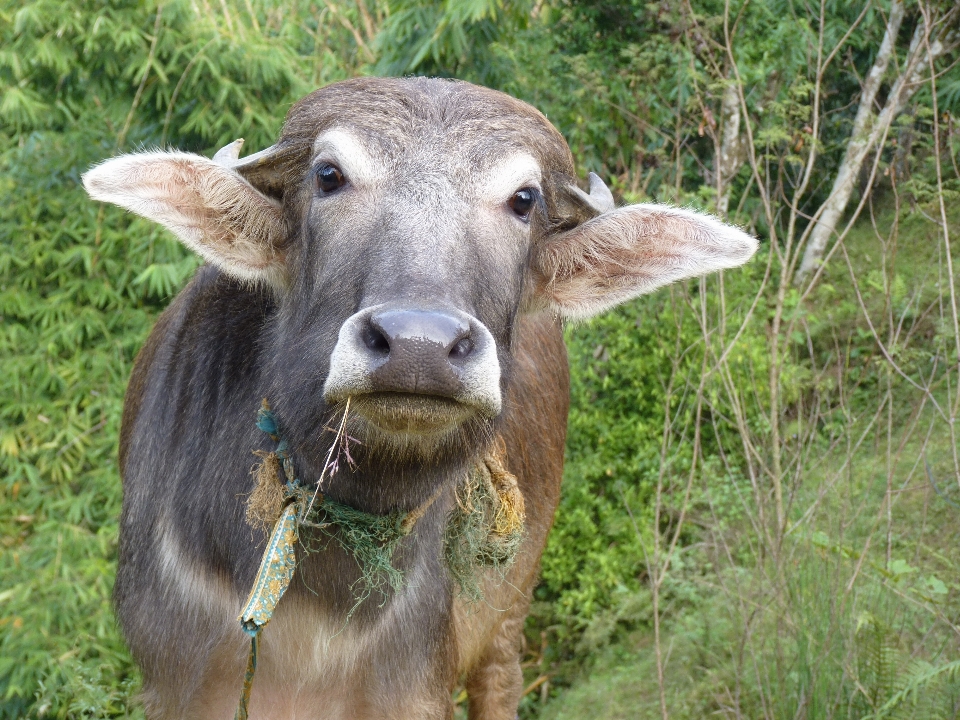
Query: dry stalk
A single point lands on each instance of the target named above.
(945, 228)
(340, 444)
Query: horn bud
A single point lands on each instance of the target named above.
(599, 200)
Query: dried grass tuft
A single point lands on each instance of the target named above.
(266, 501)
(485, 530)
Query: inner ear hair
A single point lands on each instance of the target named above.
(630, 251)
(208, 206)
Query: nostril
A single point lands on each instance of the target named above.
(461, 349)
(375, 340)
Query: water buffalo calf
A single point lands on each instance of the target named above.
(410, 247)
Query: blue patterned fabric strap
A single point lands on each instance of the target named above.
(273, 579)
(267, 421)
(276, 572)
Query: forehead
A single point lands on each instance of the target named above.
(429, 120)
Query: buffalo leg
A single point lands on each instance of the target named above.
(495, 683)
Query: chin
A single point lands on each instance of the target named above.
(402, 427)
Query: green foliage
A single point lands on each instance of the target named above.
(73, 319)
(856, 668)
(455, 38)
(671, 432)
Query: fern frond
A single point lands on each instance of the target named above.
(918, 681)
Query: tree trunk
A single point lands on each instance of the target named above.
(866, 136)
(860, 142)
(731, 156)
(905, 137)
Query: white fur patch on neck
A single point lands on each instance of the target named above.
(202, 592)
(347, 152)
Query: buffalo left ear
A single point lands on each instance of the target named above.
(629, 251)
(211, 206)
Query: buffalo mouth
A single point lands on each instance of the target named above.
(410, 413)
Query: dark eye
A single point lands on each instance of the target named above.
(329, 178)
(522, 202)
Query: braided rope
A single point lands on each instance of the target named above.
(248, 679)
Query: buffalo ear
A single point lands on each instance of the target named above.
(625, 252)
(207, 204)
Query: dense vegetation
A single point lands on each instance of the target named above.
(761, 512)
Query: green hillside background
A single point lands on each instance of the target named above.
(761, 505)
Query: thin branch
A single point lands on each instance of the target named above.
(143, 80)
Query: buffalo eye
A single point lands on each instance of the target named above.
(329, 178)
(522, 202)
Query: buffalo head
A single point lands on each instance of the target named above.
(401, 227)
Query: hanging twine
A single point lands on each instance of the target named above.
(484, 530)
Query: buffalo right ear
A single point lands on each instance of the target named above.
(620, 253)
(207, 204)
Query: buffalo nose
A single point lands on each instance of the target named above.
(420, 350)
